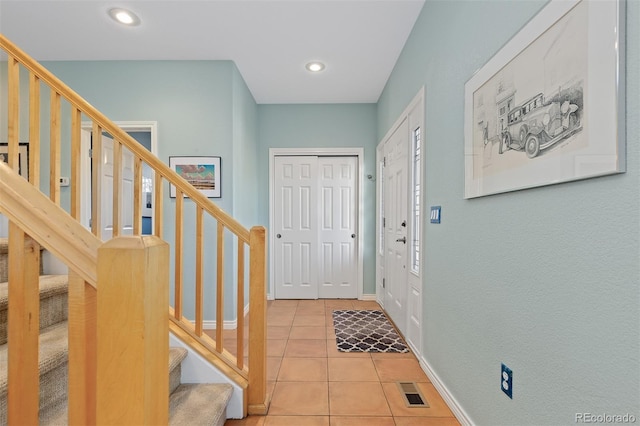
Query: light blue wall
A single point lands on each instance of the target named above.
(546, 280)
(323, 126)
(201, 110)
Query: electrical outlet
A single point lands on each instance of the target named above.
(506, 381)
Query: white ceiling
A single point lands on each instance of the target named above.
(270, 41)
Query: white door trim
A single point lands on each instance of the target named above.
(327, 152)
(85, 163)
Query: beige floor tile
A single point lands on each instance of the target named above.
(333, 352)
(357, 399)
(339, 304)
(273, 368)
(308, 332)
(304, 399)
(303, 370)
(426, 421)
(280, 316)
(307, 320)
(352, 370)
(278, 332)
(275, 347)
(392, 355)
(437, 407)
(331, 332)
(366, 305)
(306, 348)
(297, 421)
(247, 421)
(282, 303)
(391, 370)
(361, 421)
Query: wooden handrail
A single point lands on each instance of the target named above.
(50, 225)
(62, 234)
(118, 134)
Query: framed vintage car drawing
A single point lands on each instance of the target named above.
(549, 106)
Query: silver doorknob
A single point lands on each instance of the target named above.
(402, 240)
(278, 236)
(353, 235)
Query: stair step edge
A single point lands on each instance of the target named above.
(199, 404)
(50, 285)
(53, 352)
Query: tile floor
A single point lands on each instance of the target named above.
(312, 383)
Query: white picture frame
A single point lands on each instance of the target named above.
(549, 106)
(204, 173)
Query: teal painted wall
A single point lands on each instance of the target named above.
(546, 280)
(323, 126)
(200, 113)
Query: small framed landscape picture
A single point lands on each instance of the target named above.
(204, 173)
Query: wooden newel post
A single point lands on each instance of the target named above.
(133, 331)
(257, 390)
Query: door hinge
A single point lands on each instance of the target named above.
(383, 283)
(384, 161)
(384, 222)
(90, 153)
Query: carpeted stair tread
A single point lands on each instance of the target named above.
(52, 348)
(53, 302)
(199, 404)
(176, 355)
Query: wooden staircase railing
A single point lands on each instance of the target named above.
(68, 111)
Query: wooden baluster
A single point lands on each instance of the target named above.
(13, 81)
(23, 328)
(34, 129)
(257, 398)
(96, 181)
(54, 149)
(117, 188)
(133, 330)
(220, 289)
(178, 255)
(82, 351)
(76, 123)
(199, 270)
(240, 306)
(137, 196)
(157, 208)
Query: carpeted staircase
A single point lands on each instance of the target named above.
(189, 404)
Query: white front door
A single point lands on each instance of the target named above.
(315, 227)
(395, 226)
(126, 195)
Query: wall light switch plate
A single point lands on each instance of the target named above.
(435, 214)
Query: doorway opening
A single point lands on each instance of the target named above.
(145, 132)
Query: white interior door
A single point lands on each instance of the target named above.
(296, 227)
(126, 212)
(338, 249)
(395, 226)
(315, 227)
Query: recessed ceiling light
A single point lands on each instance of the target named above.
(314, 66)
(124, 16)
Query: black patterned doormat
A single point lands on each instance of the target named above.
(366, 331)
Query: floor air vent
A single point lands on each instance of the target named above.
(412, 395)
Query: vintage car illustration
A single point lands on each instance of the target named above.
(535, 125)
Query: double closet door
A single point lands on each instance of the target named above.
(315, 225)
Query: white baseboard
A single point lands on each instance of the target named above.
(368, 297)
(227, 325)
(451, 402)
